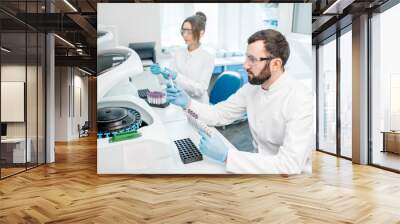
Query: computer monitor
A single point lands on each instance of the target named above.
(3, 129)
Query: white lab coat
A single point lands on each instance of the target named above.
(194, 72)
(281, 122)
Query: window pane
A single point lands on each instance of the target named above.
(386, 89)
(31, 98)
(211, 11)
(301, 13)
(41, 98)
(13, 82)
(172, 16)
(346, 94)
(327, 97)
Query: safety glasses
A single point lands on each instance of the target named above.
(253, 60)
(186, 31)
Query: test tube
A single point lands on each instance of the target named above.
(171, 83)
(156, 97)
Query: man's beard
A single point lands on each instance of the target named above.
(264, 75)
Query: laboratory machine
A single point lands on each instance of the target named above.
(131, 136)
(106, 37)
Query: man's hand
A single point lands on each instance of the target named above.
(213, 147)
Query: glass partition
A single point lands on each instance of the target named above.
(22, 77)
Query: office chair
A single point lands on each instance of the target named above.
(84, 130)
(226, 84)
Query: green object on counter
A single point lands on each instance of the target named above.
(125, 136)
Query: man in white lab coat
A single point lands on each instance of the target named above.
(279, 110)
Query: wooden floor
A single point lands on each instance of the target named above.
(70, 191)
(10, 171)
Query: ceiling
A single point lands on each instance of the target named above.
(329, 16)
(76, 21)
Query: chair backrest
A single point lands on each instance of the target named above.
(226, 84)
(86, 125)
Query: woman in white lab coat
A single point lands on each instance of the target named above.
(192, 66)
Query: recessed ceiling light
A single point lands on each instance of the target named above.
(337, 7)
(70, 5)
(5, 50)
(64, 40)
(86, 72)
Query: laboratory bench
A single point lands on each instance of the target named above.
(177, 126)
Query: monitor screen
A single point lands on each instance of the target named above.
(3, 129)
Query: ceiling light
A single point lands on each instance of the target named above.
(86, 72)
(64, 40)
(5, 50)
(70, 5)
(337, 7)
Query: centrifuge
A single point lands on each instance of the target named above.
(106, 37)
(131, 136)
(115, 69)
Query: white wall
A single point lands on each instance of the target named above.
(61, 103)
(130, 29)
(67, 120)
(80, 83)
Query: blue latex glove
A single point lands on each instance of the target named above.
(155, 69)
(177, 96)
(168, 74)
(213, 147)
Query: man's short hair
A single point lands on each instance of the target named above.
(274, 43)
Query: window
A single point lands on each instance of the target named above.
(394, 101)
(229, 25)
(172, 16)
(22, 65)
(385, 85)
(301, 11)
(211, 10)
(327, 97)
(346, 94)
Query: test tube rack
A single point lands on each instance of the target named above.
(157, 99)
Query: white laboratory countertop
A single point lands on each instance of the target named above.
(183, 129)
(178, 127)
(14, 140)
(173, 164)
